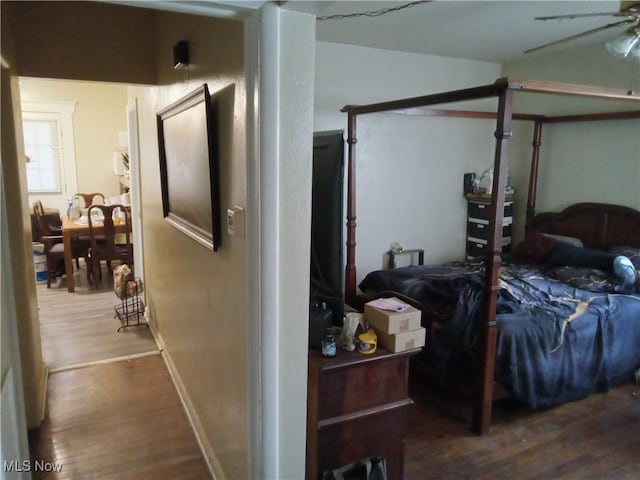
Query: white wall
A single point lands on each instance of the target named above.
(286, 120)
(409, 169)
(100, 113)
(587, 161)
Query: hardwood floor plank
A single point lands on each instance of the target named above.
(593, 438)
(122, 420)
(80, 327)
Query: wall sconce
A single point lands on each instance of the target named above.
(181, 55)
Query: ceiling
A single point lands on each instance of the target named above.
(495, 31)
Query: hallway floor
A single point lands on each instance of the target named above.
(112, 411)
(79, 328)
(122, 420)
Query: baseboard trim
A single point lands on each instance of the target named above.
(215, 469)
(104, 362)
(44, 384)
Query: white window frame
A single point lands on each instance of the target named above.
(63, 110)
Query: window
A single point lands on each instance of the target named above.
(42, 147)
(49, 145)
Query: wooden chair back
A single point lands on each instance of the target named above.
(45, 225)
(90, 198)
(51, 237)
(105, 244)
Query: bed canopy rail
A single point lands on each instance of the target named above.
(503, 89)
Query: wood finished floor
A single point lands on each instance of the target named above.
(594, 438)
(121, 421)
(124, 421)
(80, 327)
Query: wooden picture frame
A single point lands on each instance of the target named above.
(188, 148)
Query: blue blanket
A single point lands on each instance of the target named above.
(556, 342)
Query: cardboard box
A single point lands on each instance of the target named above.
(386, 321)
(399, 342)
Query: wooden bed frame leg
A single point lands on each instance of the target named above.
(484, 396)
(487, 352)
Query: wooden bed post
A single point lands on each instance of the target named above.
(533, 176)
(350, 268)
(484, 398)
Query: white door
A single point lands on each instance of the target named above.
(48, 143)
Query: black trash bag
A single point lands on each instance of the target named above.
(370, 468)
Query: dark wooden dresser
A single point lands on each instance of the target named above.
(478, 214)
(357, 407)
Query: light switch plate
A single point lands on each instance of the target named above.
(235, 221)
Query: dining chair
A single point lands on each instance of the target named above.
(90, 198)
(51, 238)
(106, 243)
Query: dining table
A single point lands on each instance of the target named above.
(72, 229)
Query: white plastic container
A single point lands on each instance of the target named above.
(40, 265)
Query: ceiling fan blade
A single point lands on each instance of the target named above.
(582, 15)
(583, 34)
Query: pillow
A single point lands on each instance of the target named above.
(576, 242)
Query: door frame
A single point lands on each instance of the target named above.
(134, 189)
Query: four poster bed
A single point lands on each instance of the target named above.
(548, 337)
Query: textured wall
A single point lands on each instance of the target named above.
(589, 161)
(121, 52)
(197, 297)
(409, 169)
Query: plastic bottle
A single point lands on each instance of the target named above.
(69, 206)
(486, 182)
(329, 345)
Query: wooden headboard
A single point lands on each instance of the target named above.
(598, 225)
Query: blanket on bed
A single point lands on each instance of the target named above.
(557, 342)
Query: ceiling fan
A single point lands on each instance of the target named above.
(628, 45)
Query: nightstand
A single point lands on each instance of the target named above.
(412, 252)
(357, 407)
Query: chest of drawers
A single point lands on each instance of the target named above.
(357, 407)
(478, 213)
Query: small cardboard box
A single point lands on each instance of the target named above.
(387, 321)
(399, 342)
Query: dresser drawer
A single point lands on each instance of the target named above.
(482, 211)
(363, 386)
(481, 230)
(379, 434)
(478, 248)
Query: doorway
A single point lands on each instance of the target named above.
(78, 328)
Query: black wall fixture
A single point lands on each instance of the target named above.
(181, 55)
